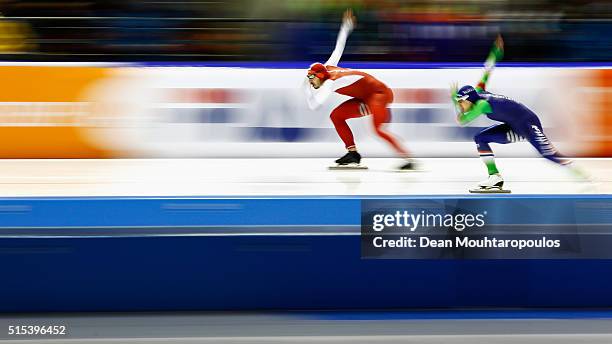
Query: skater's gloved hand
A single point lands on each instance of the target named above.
(454, 87)
(496, 54)
(499, 43)
(348, 20)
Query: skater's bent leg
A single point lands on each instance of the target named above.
(539, 141)
(339, 116)
(344, 132)
(380, 116)
(392, 140)
(498, 134)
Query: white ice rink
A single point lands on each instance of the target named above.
(271, 177)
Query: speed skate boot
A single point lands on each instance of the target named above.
(409, 166)
(494, 184)
(351, 160)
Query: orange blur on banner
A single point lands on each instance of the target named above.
(604, 118)
(29, 127)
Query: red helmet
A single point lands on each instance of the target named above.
(318, 70)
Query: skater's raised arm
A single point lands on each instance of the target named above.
(496, 54)
(467, 101)
(348, 23)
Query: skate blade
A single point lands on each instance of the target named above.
(489, 191)
(415, 170)
(348, 167)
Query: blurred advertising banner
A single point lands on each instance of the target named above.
(43, 113)
(68, 110)
(599, 129)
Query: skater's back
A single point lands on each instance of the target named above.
(506, 110)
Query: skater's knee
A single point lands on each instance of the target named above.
(479, 139)
(381, 132)
(337, 118)
(482, 144)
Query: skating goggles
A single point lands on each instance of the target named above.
(463, 97)
(311, 76)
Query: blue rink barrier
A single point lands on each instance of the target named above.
(233, 253)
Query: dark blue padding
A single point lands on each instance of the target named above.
(256, 271)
